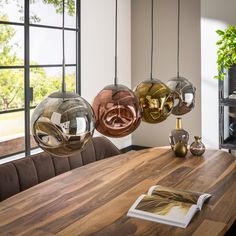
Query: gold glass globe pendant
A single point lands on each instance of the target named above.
(63, 123)
(155, 98)
(116, 107)
(183, 89)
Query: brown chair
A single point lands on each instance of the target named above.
(18, 175)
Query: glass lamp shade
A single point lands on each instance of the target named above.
(117, 111)
(63, 123)
(184, 93)
(156, 100)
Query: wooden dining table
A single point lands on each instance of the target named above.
(94, 199)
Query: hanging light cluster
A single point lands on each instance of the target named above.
(156, 99)
(116, 107)
(184, 90)
(63, 123)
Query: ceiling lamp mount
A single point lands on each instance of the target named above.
(116, 107)
(63, 123)
(183, 89)
(155, 97)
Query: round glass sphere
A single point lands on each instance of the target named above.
(63, 123)
(117, 111)
(156, 100)
(184, 94)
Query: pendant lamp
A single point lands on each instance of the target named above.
(63, 123)
(116, 107)
(155, 97)
(184, 90)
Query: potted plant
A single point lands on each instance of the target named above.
(226, 54)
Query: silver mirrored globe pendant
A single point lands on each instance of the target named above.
(184, 95)
(63, 123)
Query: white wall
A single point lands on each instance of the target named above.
(97, 48)
(165, 46)
(215, 14)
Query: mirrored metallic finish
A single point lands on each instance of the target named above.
(178, 134)
(156, 100)
(184, 93)
(117, 111)
(180, 149)
(197, 148)
(63, 123)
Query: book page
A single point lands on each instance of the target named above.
(175, 194)
(164, 209)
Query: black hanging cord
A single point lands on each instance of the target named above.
(151, 40)
(63, 47)
(115, 79)
(178, 39)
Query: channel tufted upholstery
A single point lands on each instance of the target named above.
(24, 173)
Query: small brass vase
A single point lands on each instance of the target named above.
(180, 149)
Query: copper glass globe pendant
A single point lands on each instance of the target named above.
(184, 90)
(63, 123)
(155, 97)
(116, 107)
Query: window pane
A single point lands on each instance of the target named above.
(45, 46)
(70, 14)
(48, 80)
(11, 45)
(11, 123)
(12, 10)
(12, 133)
(70, 47)
(12, 89)
(45, 13)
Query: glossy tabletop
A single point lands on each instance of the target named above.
(94, 199)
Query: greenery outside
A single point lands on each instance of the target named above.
(12, 80)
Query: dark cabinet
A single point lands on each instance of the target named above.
(227, 110)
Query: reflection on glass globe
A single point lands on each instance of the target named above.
(184, 93)
(62, 123)
(117, 111)
(156, 100)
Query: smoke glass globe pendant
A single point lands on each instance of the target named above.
(183, 89)
(156, 100)
(62, 123)
(117, 111)
(116, 107)
(184, 95)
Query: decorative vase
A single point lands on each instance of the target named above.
(178, 134)
(197, 148)
(180, 149)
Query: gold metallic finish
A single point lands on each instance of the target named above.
(180, 149)
(62, 123)
(156, 100)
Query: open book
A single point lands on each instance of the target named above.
(168, 205)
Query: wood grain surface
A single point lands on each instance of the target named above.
(94, 199)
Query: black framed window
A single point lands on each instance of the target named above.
(31, 63)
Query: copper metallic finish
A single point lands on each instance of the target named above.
(63, 123)
(184, 93)
(117, 111)
(156, 100)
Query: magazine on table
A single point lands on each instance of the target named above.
(168, 205)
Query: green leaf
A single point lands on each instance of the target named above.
(220, 32)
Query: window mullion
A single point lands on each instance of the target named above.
(26, 80)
